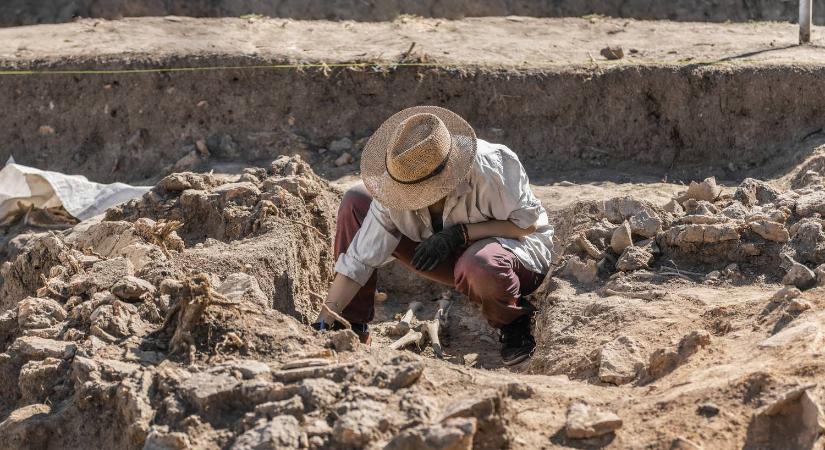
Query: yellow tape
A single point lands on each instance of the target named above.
(321, 66)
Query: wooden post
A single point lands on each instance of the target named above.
(805, 16)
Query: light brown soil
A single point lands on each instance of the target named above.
(730, 100)
(718, 360)
(120, 333)
(21, 12)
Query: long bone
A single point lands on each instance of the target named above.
(404, 325)
(412, 337)
(433, 327)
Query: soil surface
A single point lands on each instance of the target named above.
(164, 313)
(730, 100)
(493, 42)
(23, 12)
(682, 311)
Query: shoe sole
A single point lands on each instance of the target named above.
(518, 360)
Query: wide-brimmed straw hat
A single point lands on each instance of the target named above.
(417, 156)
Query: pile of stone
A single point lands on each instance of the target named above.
(178, 315)
(755, 227)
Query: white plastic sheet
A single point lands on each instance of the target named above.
(22, 187)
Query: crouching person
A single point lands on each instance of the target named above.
(452, 208)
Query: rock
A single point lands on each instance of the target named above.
(132, 288)
(808, 204)
(752, 192)
(357, 427)
(452, 434)
(243, 193)
(203, 150)
(674, 208)
(343, 160)
(620, 361)
(800, 276)
(617, 210)
(584, 272)
(27, 427)
(341, 145)
(318, 393)
(38, 313)
(398, 374)
(700, 208)
(809, 241)
(701, 234)
(248, 368)
(612, 52)
(769, 230)
(584, 422)
(634, 258)
(481, 407)
(798, 306)
(735, 211)
(38, 377)
(621, 238)
(645, 224)
(803, 334)
(241, 287)
(293, 406)
(820, 275)
(794, 420)
(102, 275)
(707, 190)
(30, 347)
(785, 294)
(344, 340)
(209, 392)
(282, 432)
(160, 438)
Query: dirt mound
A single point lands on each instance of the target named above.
(182, 345)
(179, 314)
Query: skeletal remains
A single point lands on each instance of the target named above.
(418, 332)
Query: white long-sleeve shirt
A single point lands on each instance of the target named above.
(496, 188)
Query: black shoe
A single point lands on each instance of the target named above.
(517, 343)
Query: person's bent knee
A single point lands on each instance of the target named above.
(355, 199)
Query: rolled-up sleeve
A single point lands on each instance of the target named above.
(507, 193)
(371, 247)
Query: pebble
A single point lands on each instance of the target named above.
(621, 238)
(585, 421)
(800, 276)
(341, 145)
(344, 159)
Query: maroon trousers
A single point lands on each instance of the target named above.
(486, 272)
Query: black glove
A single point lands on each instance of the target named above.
(439, 247)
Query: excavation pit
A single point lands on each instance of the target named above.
(705, 331)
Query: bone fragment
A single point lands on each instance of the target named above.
(405, 324)
(433, 327)
(412, 337)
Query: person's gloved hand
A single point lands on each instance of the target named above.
(438, 247)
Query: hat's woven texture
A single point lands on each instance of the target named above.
(412, 143)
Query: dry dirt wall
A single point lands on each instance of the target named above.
(683, 121)
(24, 12)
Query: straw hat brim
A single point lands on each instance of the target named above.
(400, 196)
